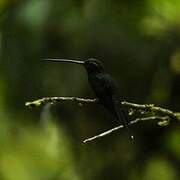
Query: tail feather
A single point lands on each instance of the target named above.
(123, 117)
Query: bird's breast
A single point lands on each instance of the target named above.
(103, 85)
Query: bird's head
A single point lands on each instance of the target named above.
(93, 65)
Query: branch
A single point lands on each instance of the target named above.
(142, 108)
(121, 126)
(152, 112)
(55, 100)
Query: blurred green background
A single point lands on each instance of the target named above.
(138, 42)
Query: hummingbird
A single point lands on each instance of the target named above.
(104, 87)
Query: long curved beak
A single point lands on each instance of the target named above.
(65, 60)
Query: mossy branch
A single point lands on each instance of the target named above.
(162, 115)
(55, 100)
(82, 101)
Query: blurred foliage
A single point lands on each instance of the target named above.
(138, 42)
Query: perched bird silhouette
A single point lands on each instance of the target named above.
(105, 88)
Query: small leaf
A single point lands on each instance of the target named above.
(163, 123)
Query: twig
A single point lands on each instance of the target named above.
(121, 126)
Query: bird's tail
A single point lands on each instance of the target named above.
(122, 115)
